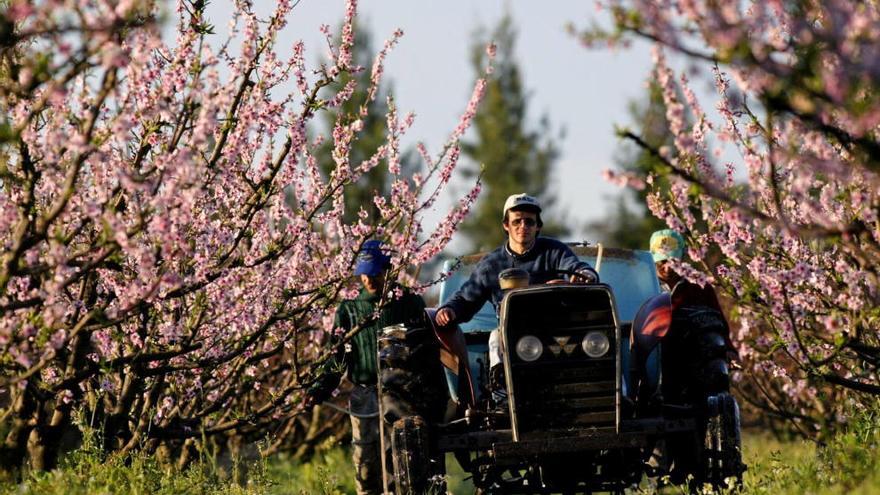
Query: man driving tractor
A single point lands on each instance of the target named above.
(542, 258)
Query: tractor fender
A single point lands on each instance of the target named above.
(454, 356)
(651, 323)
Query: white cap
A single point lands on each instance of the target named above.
(521, 199)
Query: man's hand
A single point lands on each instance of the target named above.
(585, 277)
(444, 316)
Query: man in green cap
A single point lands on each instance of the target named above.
(667, 244)
(359, 357)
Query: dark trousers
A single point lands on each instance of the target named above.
(365, 439)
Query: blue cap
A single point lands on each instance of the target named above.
(666, 244)
(371, 261)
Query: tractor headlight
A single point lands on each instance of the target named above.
(595, 344)
(529, 348)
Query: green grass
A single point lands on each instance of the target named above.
(88, 474)
(848, 464)
(329, 473)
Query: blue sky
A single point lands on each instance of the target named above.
(581, 90)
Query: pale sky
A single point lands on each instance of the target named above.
(585, 91)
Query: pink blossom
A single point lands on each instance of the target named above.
(792, 216)
(200, 215)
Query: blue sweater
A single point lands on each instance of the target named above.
(541, 261)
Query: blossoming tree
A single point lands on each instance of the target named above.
(171, 251)
(794, 216)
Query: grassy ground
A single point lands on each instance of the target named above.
(796, 467)
(331, 473)
(846, 465)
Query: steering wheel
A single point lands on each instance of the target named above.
(568, 276)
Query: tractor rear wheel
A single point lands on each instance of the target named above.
(415, 472)
(722, 454)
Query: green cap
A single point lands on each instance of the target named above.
(666, 244)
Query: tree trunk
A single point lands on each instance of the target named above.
(14, 448)
(36, 446)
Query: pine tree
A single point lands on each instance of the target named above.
(360, 193)
(629, 224)
(514, 157)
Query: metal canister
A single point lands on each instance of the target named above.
(513, 278)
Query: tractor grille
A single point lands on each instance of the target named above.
(564, 389)
(556, 393)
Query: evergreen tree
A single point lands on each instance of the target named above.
(359, 194)
(514, 158)
(629, 223)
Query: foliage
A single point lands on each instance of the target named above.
(152, 272)
(846, 464)
(88, 471)
(511, 157)
(798, 103)
(330, 472)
